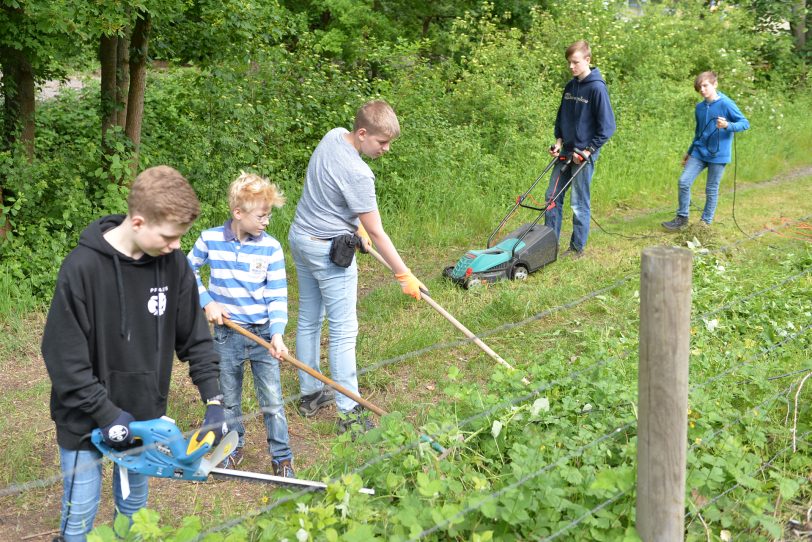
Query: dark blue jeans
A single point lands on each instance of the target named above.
(235, 349)
(579, 201)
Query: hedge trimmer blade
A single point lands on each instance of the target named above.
(227, 445)
(278, 480)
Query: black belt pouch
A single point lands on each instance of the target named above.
(342, 249)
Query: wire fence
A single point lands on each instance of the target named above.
(535, 392)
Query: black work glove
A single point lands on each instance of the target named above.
(214, 421)
(116, 434)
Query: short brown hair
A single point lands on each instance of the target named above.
(162, 194)
(377, 117)
(580, 45)
(249, 191)
(704, 76)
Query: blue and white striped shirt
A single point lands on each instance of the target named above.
(247, 278)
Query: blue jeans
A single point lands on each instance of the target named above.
(235, 349)
(82, 482)
(579, 201)
(325, 287)
(693, 167)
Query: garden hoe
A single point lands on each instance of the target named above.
(436, 306)
(318, 376)
(163, 452)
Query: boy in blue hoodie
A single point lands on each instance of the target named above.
(585, 122)
(717, 117)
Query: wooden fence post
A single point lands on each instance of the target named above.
(662, 386)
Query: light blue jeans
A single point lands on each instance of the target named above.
(693, 167)
(235, 349)
(579, 201)
(82, 480)
(327, 288)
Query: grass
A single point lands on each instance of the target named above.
(393, 325)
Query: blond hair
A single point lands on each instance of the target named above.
(704, 76)
(377, 117)
(249, 191)
(580, 45)
(162, 194)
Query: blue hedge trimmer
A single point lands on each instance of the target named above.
(163, 452)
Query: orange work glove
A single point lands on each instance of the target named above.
(409, 284)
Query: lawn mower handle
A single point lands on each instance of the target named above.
(519, 201)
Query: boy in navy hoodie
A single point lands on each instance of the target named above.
(717, 117)
(585, 122)
(125, 303)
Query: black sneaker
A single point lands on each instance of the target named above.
(679, 222)
(310, 404)
(356, 421)
(283, 468)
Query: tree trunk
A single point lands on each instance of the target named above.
(797, 24)
(139, 45)
(122, 78)
(108, 56)
(19, 92)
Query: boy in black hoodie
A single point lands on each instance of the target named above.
(125, 302)
(585, 122)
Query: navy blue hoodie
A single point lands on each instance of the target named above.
(585, 118)
(113, 329)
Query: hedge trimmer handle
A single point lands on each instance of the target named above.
(162, 451)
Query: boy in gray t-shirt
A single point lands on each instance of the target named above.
(339, 198)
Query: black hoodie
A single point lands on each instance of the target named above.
(112, 331)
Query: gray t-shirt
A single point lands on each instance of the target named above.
(338, 187)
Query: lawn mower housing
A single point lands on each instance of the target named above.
(523, 251)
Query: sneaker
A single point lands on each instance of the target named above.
(283, 468)
(677, 224)
(573, 254)
(356, 421)
(233, 459)
(310, 404)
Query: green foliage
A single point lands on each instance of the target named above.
(525, 466)
(476, 120)
(209, 32)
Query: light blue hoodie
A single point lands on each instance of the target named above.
(712, 144)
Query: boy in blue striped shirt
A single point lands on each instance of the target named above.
(247, 285)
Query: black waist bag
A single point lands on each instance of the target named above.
(342, 249)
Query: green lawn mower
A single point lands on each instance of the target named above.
(525, 250)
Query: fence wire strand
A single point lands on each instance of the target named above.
(48, 481)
